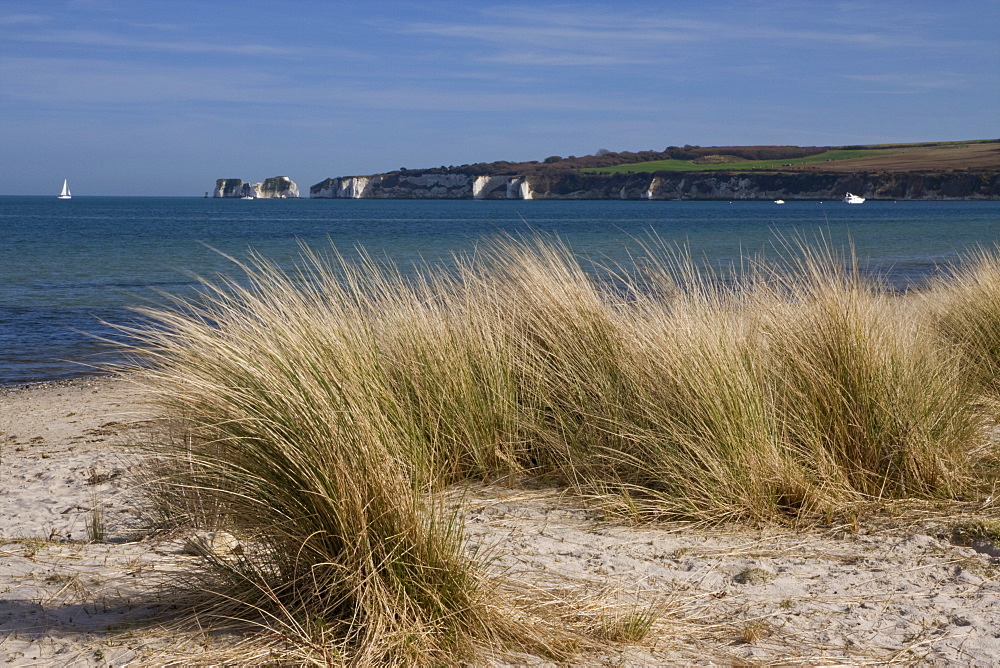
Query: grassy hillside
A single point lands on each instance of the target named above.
(924, 156)
(702, 165)
(938, 155)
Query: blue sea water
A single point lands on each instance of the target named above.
(69, 266)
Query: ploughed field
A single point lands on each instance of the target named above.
(967, 156)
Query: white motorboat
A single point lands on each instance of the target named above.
(853, 199)
(779, 201)
(65, 194)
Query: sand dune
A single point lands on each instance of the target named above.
(882, 591)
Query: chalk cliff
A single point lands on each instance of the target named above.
(276, 187)
(714, 185)
(423, 185)
(484, 186)
(232, 188)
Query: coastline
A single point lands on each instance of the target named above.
(888, 589)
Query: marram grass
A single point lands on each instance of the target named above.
(300, 448)
(964, 307)
(325, 408)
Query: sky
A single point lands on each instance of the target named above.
(162, 97)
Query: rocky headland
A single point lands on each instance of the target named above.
(699, 185)
(965, 170)
(425, 185)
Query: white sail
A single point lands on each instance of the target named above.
(65, 194)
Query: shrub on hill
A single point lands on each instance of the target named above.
(605, 158)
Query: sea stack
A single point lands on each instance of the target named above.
(232, 188)
(276, 187)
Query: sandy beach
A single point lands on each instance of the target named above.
(884, 590)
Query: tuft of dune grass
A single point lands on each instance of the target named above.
(298, 445)
(963, 306)
(324, 408)
(874, 405)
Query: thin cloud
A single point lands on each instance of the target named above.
(23, 19)
(902, 84)
(595, 37)
(165, 27)
(547, 35)
(414, 99)
(557, 46)
(106, 40)
(100, 83)
(97, 84)
(566, 59)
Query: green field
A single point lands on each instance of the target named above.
(831, 155)
(691, 166)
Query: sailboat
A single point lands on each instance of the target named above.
(65, 194)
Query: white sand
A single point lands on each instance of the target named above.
(65, 601)
(897, 592)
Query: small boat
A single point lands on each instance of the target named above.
(779, 201)
(65, 194)
(853, 199)
(247, 197)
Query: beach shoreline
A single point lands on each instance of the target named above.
(890, 589)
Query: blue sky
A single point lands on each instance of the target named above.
(146, 97)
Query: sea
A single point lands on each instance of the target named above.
(72, 269)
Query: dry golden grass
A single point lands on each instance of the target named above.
(323, 409)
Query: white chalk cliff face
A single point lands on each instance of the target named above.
(526, 190)
(353, 187)
(484, 185)
(518, 188)
(232, 188)
(325, 189)
(654, 186)
(423, 185)
(277, 187)
(434, 181)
